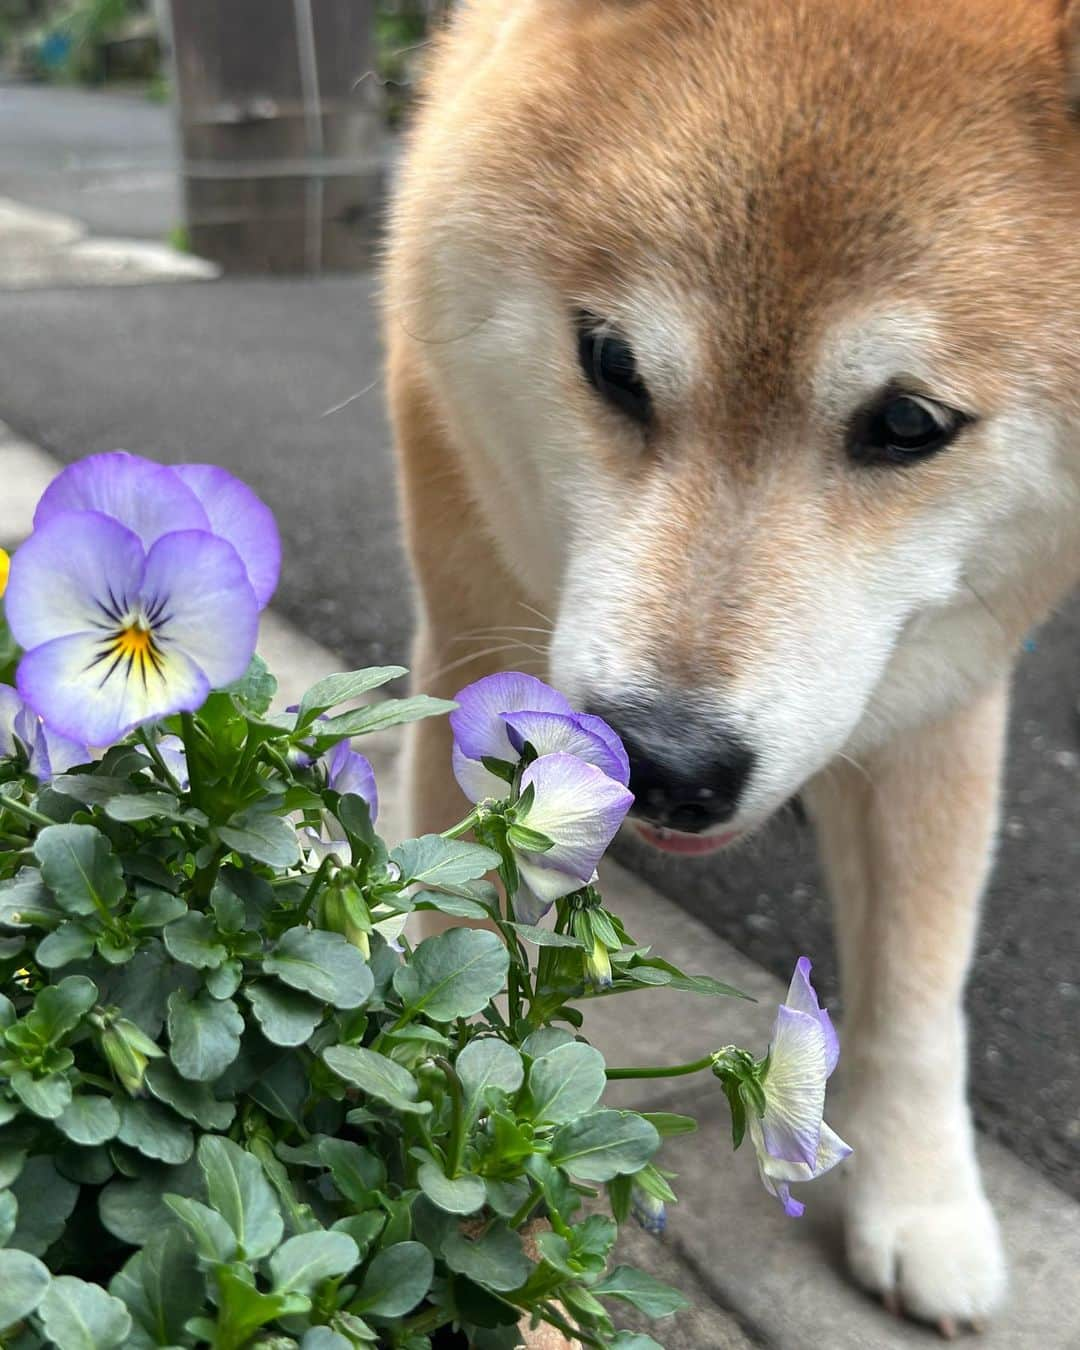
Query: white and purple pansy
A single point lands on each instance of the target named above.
(154, 500)
(579, 808)
(351, 774)
(791, 1139)
(22, 731)
(116, 633)
(498, 716)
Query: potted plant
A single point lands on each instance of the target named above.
(238, 1106)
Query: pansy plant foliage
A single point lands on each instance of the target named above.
(238, 1106)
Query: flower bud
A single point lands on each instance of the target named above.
(128, 1051)
(649, 1211)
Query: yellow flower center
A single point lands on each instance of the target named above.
(134, 641)
(5, 567)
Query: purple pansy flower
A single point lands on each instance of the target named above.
(49, 753)
(153, 500)
(174, 757)
(791, 1140)
(497, 715)
(350, 773)
(117, 633)
(579, 808)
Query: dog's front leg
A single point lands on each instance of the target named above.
(907, 841)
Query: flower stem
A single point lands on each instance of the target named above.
(25, 812)
(671, 1071)
(462, 827)
(195, 782)
(155, 754)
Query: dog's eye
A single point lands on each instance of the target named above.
(902, 428)
(608, 363)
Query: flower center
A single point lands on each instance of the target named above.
(131, 649)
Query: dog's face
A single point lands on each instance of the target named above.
(758, 321)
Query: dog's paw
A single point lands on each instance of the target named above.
(939, 1260)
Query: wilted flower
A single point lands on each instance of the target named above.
(499, 715)
(791, 1139)
(154, 500)
(173, 756)
(578, 808)
(47, 752)
(116, 634)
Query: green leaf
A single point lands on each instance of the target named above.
(566, 1083)
(435, 861)
(194, 941)
(130, 807)
(9, 1214)
(362, 1228)
(238, 1189)
(282, 1089)
(396, 1281)
(323, 965)
(256, 687)
(154, 909)
(225, 980)
(47, 1097)
(604, 1145)
(546, 937)
(72, 941)
(457, 1195)
(214, 1240)
(376, 1075)
(12, 1159)
(634, 1340)
(487, 1067)
(544, 1040)
(161, 1286)
(23, 1283)
(389, 712)
(25, 900)
(263, 836)
(46, 1200)
(155, 1132)
(355, 1169)
(59, 1008)
(337, 689)
(648, 1294)
(531, 841)
(243, 1309)
(134, 1210)
(194, 1101)
(668, 1125)
(89, 1120)
(458, 906)
(496, 1260)
(688, 984)
(455, 974)
(322, 1338)
(204, 1034)
(286, 1016)
(79, 867)
(303, 1262)
(81, 1316)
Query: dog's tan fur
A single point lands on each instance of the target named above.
(776, 198)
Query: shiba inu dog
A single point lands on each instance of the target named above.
(735, 371)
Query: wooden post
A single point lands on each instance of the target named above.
(279, 131)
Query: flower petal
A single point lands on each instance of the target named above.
(96, 702)
(579, 807)
(543, 886)
(349, 772)
(831, 1150)
(55, 754)
(210, 612)
(477, 783)
(150, 499)
(238, 515)
(70, 576)
(479, 730)
(571, 734)
(802, 996)
(794, 1087)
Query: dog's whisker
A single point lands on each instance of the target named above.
(472, 657)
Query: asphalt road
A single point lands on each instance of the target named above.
(249, 374)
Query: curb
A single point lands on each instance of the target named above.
(756, 1278)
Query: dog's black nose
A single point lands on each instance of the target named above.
(673, 785)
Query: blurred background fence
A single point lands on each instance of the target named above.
(286, 109)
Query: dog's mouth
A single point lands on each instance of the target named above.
(688, 845)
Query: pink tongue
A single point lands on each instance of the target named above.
(670, 841)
